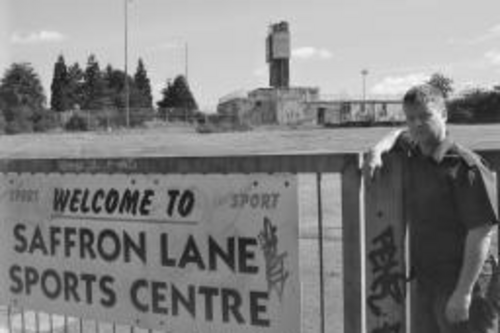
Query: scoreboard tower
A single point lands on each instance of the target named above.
(278, 55)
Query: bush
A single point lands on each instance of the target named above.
(45, 121)
(19, 125)
(76, 123)
(3, 123)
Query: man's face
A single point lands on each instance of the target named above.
(426, 123)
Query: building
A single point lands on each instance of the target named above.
(356, 112)
(281, 104)
(269, 106)
(278, 55)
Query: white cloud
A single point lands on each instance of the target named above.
(493, 57)
(43, 36)
(491, 33)
(260, 72)
(396, 85)
(169, 46)
(309, 52)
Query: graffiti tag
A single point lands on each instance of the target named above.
(276, 273)
(388, 282)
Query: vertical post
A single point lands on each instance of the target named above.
(385, 250)
(9, 319)
(23, 321)
(352, 246)
(320, 245)
(497, 170)
(51, 323)
(364, 73)
(37, 322)
(127, 93)
(186, 61)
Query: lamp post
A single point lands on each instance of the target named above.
(127, 92)
(364, 73)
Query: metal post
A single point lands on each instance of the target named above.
(51, 324)
(364, 73)
(23, 321)
(37, 322)
(186, 61)
(9, 319)
(127, 93)
(320, 242)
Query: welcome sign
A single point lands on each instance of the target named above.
(170, 252)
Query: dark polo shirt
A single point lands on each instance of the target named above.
(447, 195)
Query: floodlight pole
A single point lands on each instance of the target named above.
(127, 90)
(364, 73)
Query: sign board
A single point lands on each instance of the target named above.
(169, 252)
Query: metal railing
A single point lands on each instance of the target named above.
(365, 213)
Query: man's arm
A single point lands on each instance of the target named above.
(475, 253)
(373, 157)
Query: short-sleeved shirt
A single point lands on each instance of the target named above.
(447, 196)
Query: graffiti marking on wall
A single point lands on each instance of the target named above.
(388, 281)
(388, 328)
(276, 273)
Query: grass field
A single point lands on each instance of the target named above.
(162, 143)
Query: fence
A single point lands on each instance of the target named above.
(373, 284)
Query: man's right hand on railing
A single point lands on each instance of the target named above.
(372, 159)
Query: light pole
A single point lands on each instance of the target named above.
(127, 92)
(364, 73)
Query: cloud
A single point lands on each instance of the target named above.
(309, 52)
(491, 33)
(170, 46)
(493, 57)
(260, 72)
(43, 36)
(396, 85)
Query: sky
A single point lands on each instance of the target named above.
(399, 42)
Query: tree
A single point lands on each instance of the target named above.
(94, 86)
(183, 95)
(115, 79)
(22, 97)
(3, 122)
(21, 85)
(59, 100)
(75, 86)
(475, 106)
(168, 100)
(443, 83)
(143, 87)
(178, 101)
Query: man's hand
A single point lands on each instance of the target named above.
(372, 162)
(457, 308)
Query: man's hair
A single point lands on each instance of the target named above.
(425, 95)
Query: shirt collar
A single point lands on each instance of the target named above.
(443, 148)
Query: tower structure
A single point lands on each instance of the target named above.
(278, 55)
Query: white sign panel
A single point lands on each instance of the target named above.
(170, 252)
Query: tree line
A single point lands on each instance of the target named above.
(472, 106)
(88, 93)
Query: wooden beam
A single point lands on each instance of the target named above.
(385, 250)
(352, 244)
(297, 163)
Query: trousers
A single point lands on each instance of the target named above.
(429, 304)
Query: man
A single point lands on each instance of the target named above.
(452, 206)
